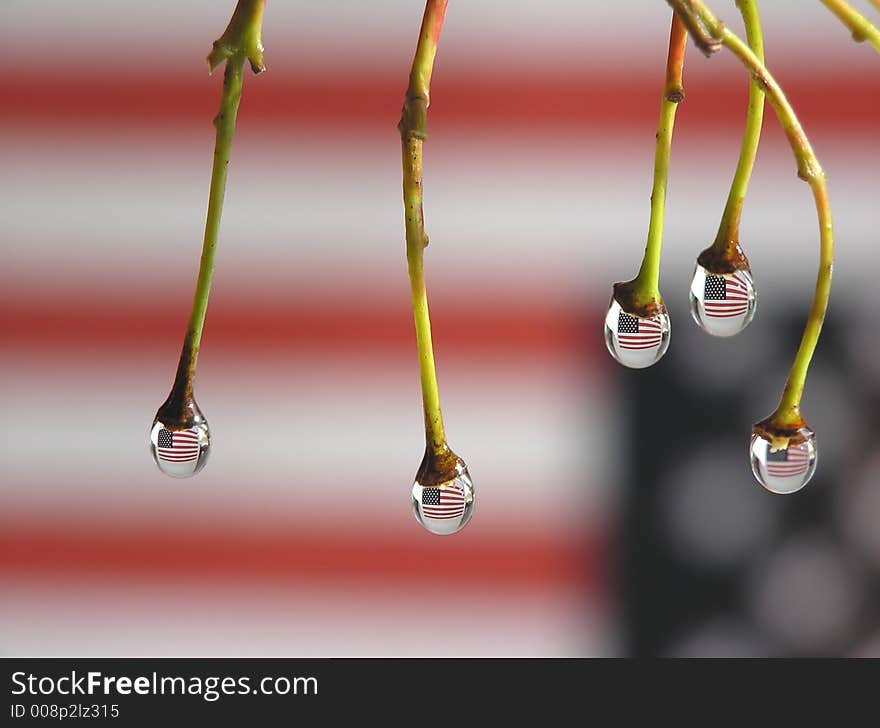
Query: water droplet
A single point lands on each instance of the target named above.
(785, 469)
(180, 452)
(634, 341)
(722, 305)
(444, 508)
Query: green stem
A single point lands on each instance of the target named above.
(788, 412)
(225, 124)
(709, 32)
(239, 43)
(726, 243)
(861, 28)
(642, 294)
(413, 132)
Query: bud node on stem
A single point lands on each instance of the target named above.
(414, 117)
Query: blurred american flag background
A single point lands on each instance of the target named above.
(297, 538)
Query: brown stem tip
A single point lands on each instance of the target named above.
(439, 466)
(625, 293)
(782, 437)
(729, 259)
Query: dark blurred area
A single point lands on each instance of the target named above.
(710, 563)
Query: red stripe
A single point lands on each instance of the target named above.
(73, 323)
(791, 462)
(647, 345)
(33, 548)
(727, 312)
(506, 100)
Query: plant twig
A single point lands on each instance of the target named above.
(440, 463)
(725, 255)
(786, 421)
(239, 43)
(641, 296)
(861, 28)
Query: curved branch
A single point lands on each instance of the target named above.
(641, 296)
(239, 42)
(725, 255)
(861, 28)
(786, 420)
(440, 463)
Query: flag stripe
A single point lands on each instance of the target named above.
(649, 345)
(637, 333)
(726, 296)
(184, 446)
(732, 313)
(451, 503)
(796, 462)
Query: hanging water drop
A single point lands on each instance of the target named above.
(783, 467)
(722, 304)
(635, 341)
(180, 451)
(444, 508)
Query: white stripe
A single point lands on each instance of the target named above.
(275, 230)
(381, 34)
(131, 618)
(525, 453)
